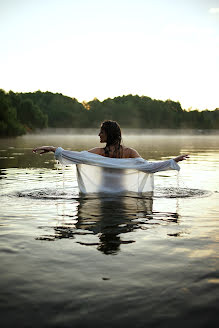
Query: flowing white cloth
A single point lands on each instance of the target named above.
(97, 173)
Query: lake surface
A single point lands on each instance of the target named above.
(69, 260)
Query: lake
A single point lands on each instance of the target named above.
(69, 260)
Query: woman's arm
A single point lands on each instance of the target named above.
(47, 149)
(44, 149)
(96, 150)
(133, 153)
(181, 158)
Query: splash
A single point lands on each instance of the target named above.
(47, 193)
(72, 193)
(178, 192)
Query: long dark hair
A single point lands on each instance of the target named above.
(114, 138)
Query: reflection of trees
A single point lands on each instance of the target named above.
(108, 222)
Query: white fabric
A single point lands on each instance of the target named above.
(97, 173)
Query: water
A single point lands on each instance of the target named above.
(71, 260)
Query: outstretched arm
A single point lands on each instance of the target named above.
(44, 149)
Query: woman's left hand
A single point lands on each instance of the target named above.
(181, 158)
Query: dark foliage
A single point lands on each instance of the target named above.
(21, 112)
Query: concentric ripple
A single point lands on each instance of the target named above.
(48, 193)
(72, 193)
(172, 192)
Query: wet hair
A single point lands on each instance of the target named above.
(114, 138)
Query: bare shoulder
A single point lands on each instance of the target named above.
(130, 152)
(96, 150)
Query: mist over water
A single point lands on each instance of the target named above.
(127, 131)
(71, 259)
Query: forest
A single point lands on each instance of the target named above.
(21, 113)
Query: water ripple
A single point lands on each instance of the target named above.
(71, 193)
(172, 192)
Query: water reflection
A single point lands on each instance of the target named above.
(111, 218)
(108, 222)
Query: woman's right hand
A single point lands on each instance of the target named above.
(44, 149)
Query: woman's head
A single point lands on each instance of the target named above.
(110, 133)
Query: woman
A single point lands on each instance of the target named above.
(110, 133)
(113, 168)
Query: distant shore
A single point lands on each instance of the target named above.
(22, 113)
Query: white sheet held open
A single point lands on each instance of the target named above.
(97, 173)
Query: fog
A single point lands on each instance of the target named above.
(125, 131)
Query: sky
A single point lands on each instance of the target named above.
(86, 49)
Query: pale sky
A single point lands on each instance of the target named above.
(163, 49)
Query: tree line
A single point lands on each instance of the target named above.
(24, 112)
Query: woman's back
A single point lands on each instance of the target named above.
(124, 152)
